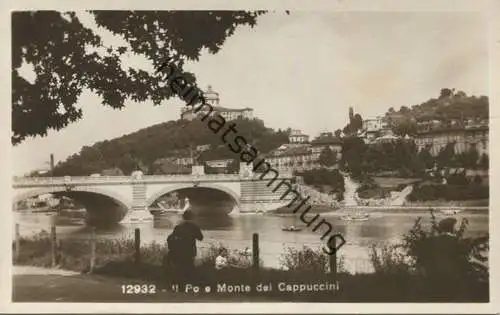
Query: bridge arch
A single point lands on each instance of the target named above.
(63, 190)
(170, 188)
(102, 205)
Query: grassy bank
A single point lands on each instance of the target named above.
(396, 278)
(449, 192)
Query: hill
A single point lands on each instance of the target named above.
(170, 139)
(450, 106)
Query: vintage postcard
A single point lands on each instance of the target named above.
(193, 158)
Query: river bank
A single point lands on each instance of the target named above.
(475, 203)
(117, 262)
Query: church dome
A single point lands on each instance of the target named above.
(211, 96)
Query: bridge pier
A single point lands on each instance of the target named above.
(139, 211)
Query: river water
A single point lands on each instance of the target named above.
(235, 232)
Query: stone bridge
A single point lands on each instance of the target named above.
(129, 198)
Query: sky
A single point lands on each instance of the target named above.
(303, 71)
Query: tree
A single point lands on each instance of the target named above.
(338, 133)
(445, 93)
(426, 157)
(355, 123)
(405, 127)
(353, 154)
(150, 148)
(404, 110)
(471, 158)
(484, 161)
(327, 157)
(445, 156)
(68, 57)
(449, 263)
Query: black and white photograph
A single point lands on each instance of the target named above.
(263, 156)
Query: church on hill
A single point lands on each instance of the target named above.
(212, 98)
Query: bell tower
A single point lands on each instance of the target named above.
(211, 97)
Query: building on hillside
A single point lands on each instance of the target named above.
(296, 136)
(373, 124)
(292, 158)
(115, 171)
(203, 147)
(303, 156)
(326, 139)
(165, 166)
(180, 160)
(219, 163)
(374, 128)
(212, 99)
(464, 137)
(388, 137)
(184, 161)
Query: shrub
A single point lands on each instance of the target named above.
(236, 258)
(391, 260)
(320, 177)
(449, 192)
(304, 259)
(478, 180)
(437, 252)
(75, 254)
(439, 259)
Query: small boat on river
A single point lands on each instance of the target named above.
(452, 211)
(356, 217)
(291, 229)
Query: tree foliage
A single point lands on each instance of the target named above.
(327, 157)
(68, 57)
(438, 258)
(403, 158)
(355, 123)
(450, 105)
(443, 256)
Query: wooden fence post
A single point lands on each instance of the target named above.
(137, 256)
(92, 250)
(54, 243)
(255, 252)
(17, 245)
(333, 261)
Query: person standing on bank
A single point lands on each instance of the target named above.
(182, 246)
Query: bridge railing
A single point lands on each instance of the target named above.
(69, 179)
(182, 177)
(120, 179)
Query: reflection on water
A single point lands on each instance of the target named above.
(236, 231)
(216, 222)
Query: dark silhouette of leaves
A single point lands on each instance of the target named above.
(68, 57)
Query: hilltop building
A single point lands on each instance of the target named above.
(296, 136)
(212, 98)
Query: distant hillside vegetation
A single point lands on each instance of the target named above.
(139, 150)
(449, 106)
